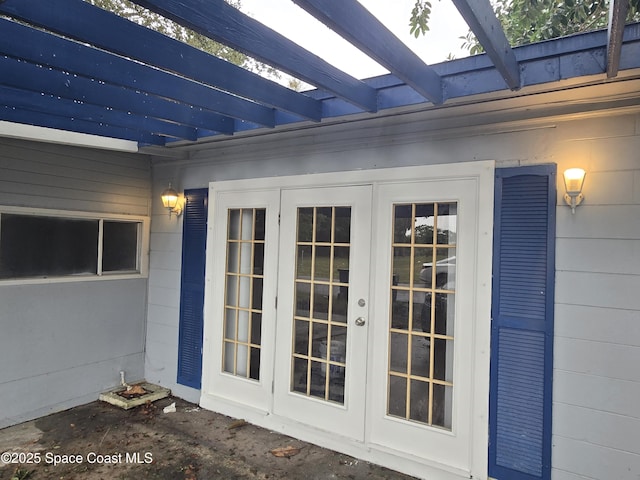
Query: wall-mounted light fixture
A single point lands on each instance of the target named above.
(573, 182)
(171, 201)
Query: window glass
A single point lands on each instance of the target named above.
(44, 246)
(422, 315)
(321, 300)
(244, 289)
(35, 246)
(119, 246)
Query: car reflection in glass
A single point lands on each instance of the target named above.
(445, 276)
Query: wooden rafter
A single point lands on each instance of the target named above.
(28, 43)
(618, 10)
(79, 20)
(483, 22)
(220, 21)
(354, 23)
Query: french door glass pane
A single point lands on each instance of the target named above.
(422, 314)
(243, 297)
(321, 294)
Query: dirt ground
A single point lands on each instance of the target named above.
(99, 441)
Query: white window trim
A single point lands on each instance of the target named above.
(143, 245)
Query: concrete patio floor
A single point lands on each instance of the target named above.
(100, 441)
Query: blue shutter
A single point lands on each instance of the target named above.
(194, 238)
(522, 323)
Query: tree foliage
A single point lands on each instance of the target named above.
(528, 21)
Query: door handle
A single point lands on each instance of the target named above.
(360, 321)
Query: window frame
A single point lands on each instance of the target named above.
(142, 260)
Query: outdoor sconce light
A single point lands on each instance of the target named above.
(573, 182)
(171, 201)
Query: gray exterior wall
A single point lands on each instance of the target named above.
(596, 420)
(61, 344)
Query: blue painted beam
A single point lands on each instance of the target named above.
(483, 22)
(223, 23)
(28, 76)
(356, 24)
(81, 21)
(46, 120)
(36, 102)
(618, 10)
(40, 47)
(541, 63)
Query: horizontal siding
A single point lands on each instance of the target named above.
(599, 221)
(163, 279)
(618, 291)
(158, 314)
(595, 357)
(598, 255)
(166, 335)
(69, 178)
(128, 174)
(608, 430)
(597, 345)
(564, 475)
(605, 394)
(163, 296)
(598, 324)
(596, 462)
(161, 260)
(92, 160)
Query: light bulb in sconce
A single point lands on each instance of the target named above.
(171, 201)
(573, 183)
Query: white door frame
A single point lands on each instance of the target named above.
(481, 174)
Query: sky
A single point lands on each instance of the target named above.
(296, 24)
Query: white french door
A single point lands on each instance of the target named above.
(323, 308)
(421, 389)
(358, 309)
(239, 329)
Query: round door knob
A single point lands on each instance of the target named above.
(360, 321)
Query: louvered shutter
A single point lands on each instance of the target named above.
(194, 238)
(522, 323)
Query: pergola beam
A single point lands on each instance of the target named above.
(483, 22)
(50, 104)
(25, 42)
(356, 24)
(30, 77)
(618, 10)
(223, 23)
(81, 21)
